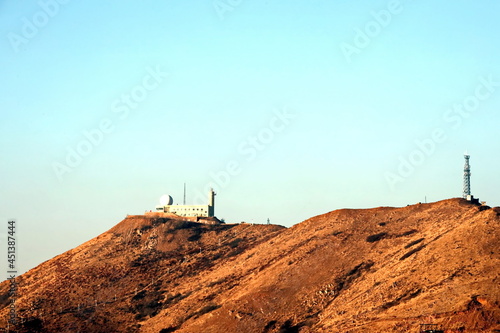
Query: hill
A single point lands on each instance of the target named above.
(351, 270)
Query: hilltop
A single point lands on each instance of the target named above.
(351, 270)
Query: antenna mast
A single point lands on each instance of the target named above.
(184, 194)
(466, 176)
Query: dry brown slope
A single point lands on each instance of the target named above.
(374, 270)
(116, 280)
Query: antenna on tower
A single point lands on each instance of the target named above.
(184, 194)
(466, 189)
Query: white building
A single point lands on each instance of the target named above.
(188, 210)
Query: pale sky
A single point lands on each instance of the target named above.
(288, 109)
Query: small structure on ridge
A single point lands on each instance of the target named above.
(167, 206)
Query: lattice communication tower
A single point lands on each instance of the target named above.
(466, 176)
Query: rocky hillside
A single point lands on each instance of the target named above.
(374, 270)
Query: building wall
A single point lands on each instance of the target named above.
(189, 210)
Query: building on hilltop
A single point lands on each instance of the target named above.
(167, 206)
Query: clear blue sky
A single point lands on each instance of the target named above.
(288, 109)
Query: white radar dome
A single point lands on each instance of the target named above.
(166, 200)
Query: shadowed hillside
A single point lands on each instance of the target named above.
(372, 270)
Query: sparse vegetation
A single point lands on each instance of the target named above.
(329, 267)
(146, 228)
(407, 254)
(409, 232)
(169, 329)
(235, 242)
(376, 237)
(288, 327)
(415, 242)
(207, 309)
(146, 304)
(405, 297)
(270, 325)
